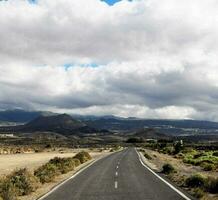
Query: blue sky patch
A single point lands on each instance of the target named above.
(69, 65)
(111, 2)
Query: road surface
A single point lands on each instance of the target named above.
(120, 176)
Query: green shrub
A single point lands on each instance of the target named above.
(18, 183)
(64, 165)
(168, 150)
(142, 150)
(57, 166)
(46, 173)
(198, 193)
(168, 169)
(190, 161)
(8, 191)
(211, 185)
(198, 155)
(208, 166)
(178, 146)
(215, 153)
(76, 161)
(195, 181)
(147, 156)
(83, 156)
(201, 158)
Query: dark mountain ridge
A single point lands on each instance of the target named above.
(128, 124)
(63, 124)
(83, 123)
(21, 116)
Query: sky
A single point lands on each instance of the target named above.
(139, 58)
(111, 2)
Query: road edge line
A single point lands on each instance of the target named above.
(166, 182)
(71, 177)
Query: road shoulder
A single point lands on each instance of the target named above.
(153, 169)
(47, 188)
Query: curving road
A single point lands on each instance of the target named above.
(120, 176)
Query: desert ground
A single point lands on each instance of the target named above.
(10, 162)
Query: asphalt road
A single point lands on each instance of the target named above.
(119, 176)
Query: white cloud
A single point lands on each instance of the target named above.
(156, 58)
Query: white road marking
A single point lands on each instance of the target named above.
(171, 186)
(116, 184)
(117, 166)
(116, 174)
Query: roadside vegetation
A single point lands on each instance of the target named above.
(206, 159)
(177, 158)
(168, 169)
(200, 184)
(22, 182)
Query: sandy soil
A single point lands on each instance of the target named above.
(8, 163)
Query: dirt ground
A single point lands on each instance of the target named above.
(9, 163)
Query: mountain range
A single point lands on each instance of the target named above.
(62, 123)
(79, 124)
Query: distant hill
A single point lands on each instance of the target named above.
(150, 133)
(21, 116)
(132, 124)
(63, 124)
(79, 124)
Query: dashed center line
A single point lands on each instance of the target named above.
(116, 174)
(117, 166)
(116, 184)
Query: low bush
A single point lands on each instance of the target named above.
(19, 183)
(198, 155)
(168, 169)
(142, 150)
(63, 165)
(77, 162)
(195, 181)
(167, 150)
(208, 166)
(46, 173)
(83, 156)
(211, 185)
(8, 191)
(57, 166)
(205, 159)
(147, 156)
(198, 193)
(215, 153)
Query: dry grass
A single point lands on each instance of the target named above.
(9, 163)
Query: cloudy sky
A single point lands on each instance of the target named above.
(142, 58)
